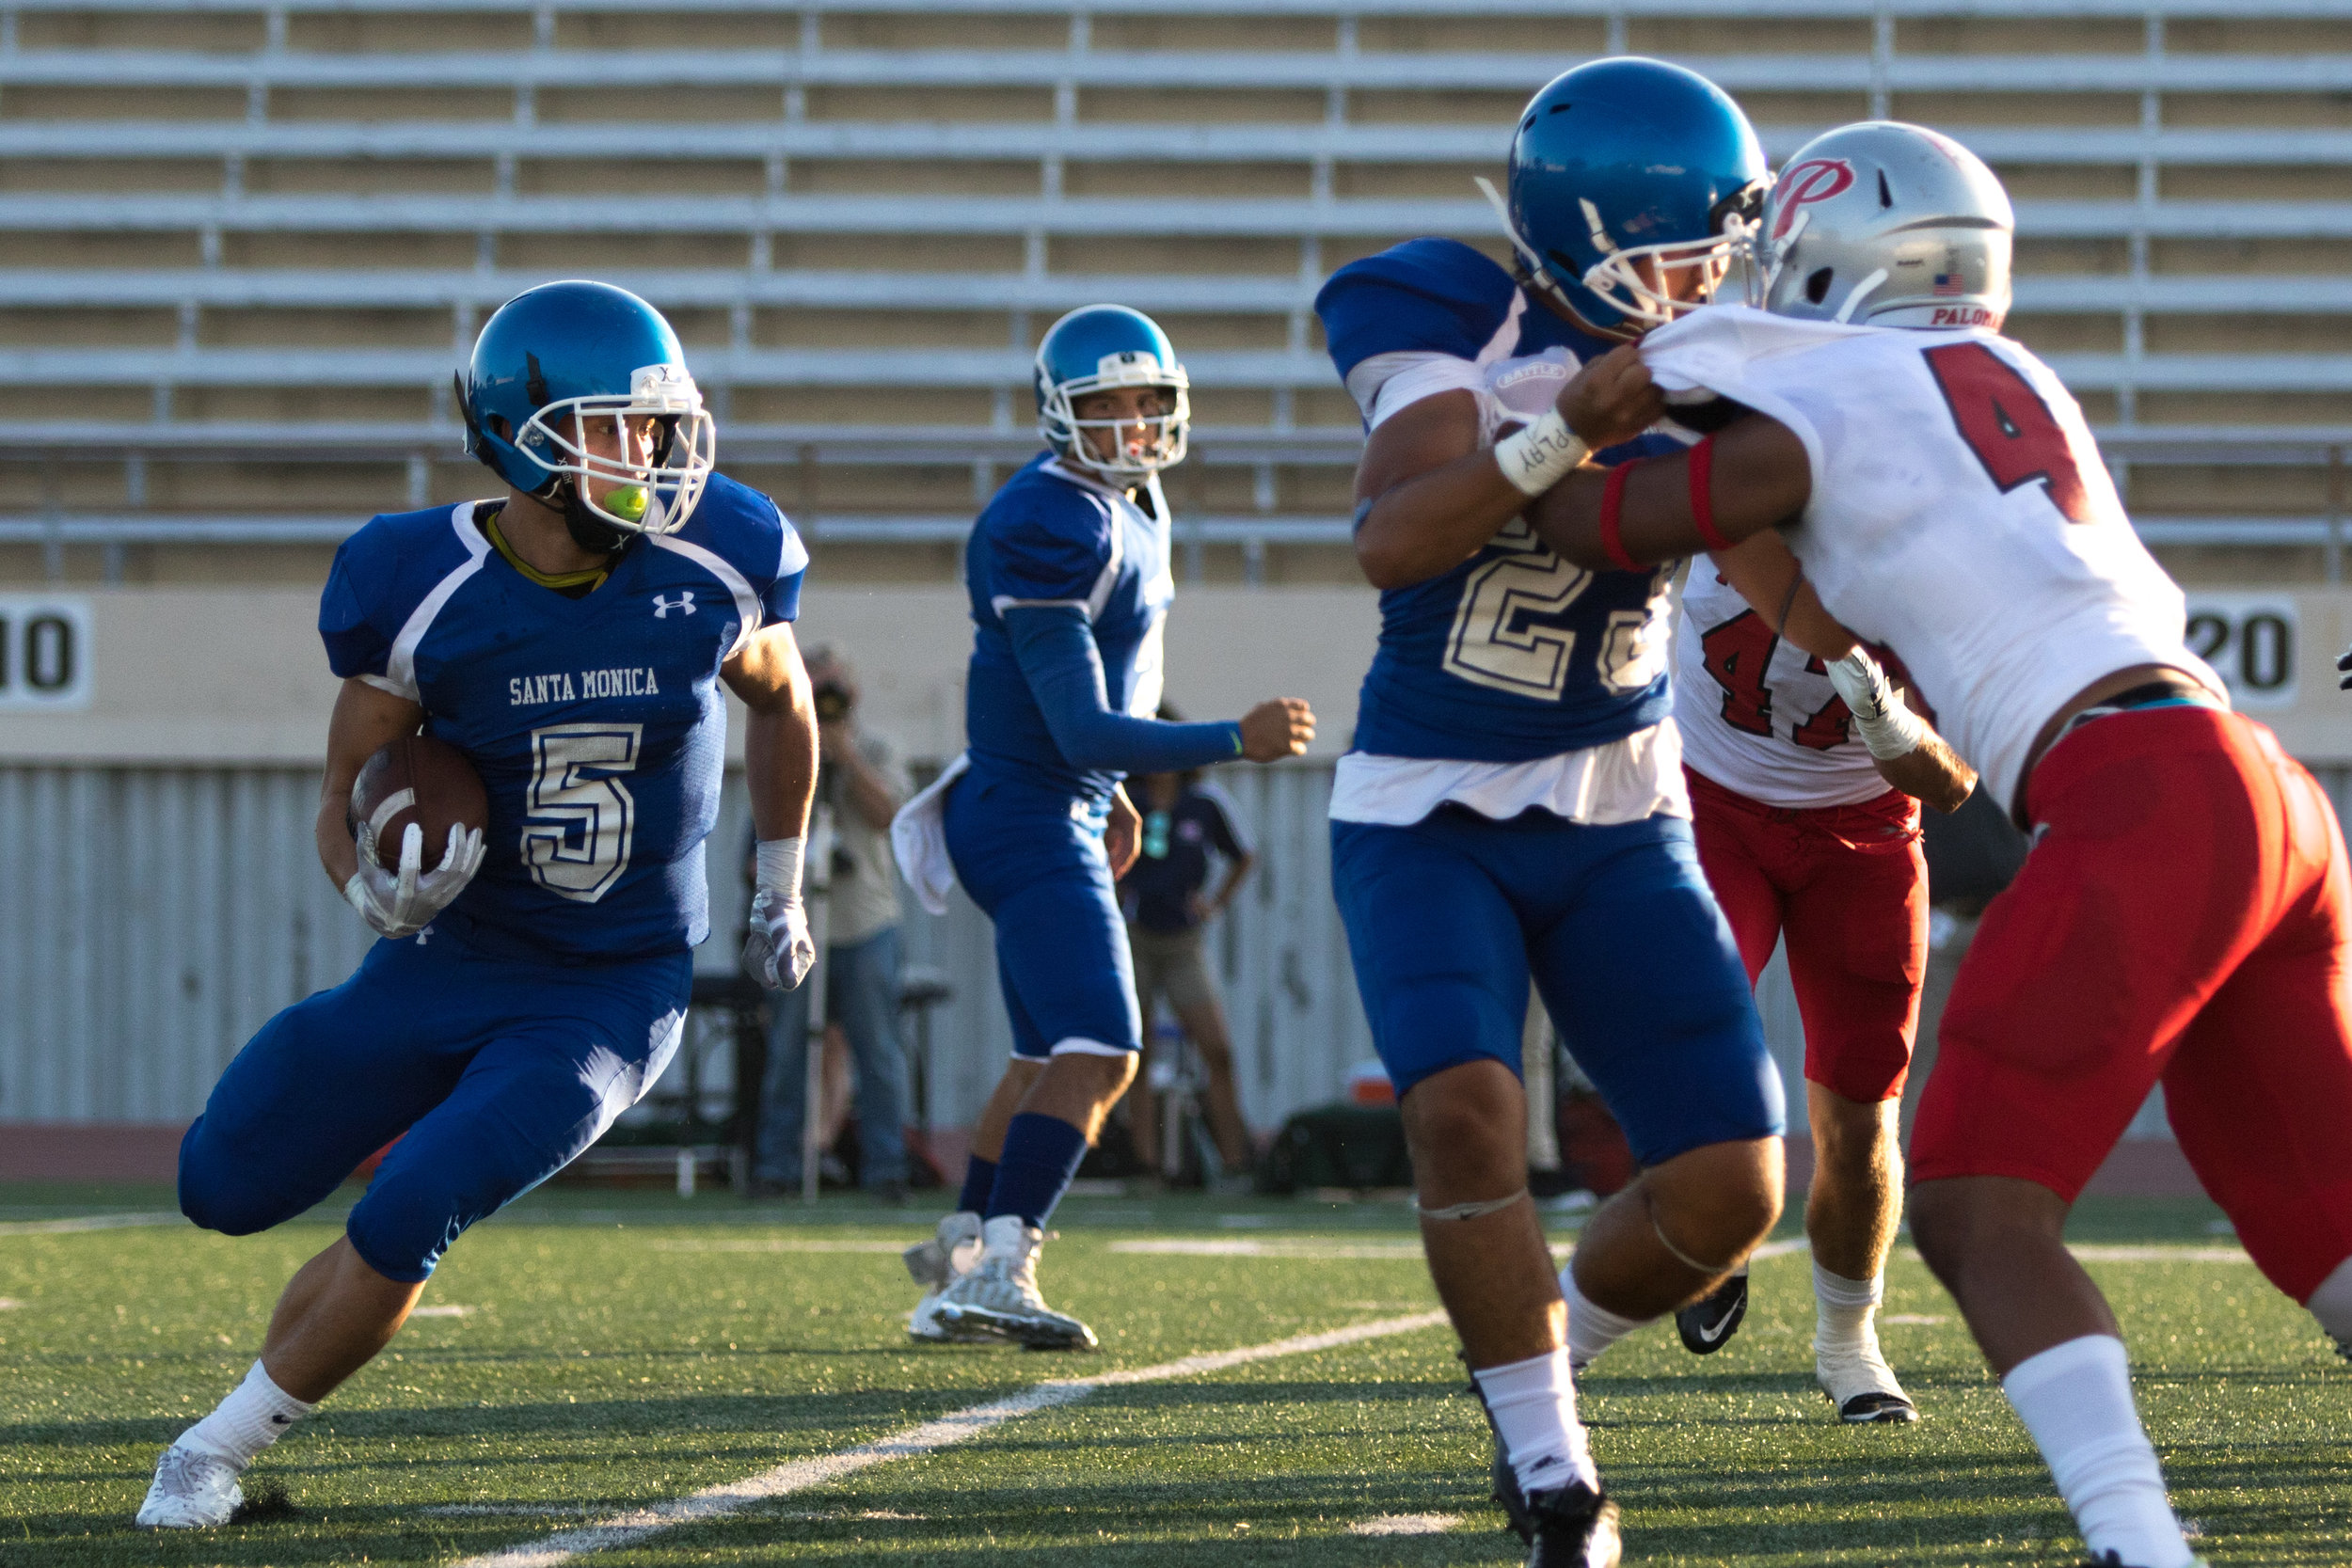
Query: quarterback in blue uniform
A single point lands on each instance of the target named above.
(1514, 807)
(1068, 571)
(571, 640)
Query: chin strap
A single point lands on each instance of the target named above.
(588, 530)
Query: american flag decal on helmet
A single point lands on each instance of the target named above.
(1947, 284)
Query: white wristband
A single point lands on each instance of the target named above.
(1897, 732)
(780, 866)
(1537, 456)
(1885, 727)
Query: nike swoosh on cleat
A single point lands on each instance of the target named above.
(1722, 1326)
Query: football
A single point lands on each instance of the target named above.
(417, 779)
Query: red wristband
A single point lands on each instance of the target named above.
(1702, 495)
(1611, 523)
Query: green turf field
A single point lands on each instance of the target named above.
(600, 1353)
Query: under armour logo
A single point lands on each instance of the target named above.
(684, 601)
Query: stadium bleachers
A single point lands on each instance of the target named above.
(242, 245)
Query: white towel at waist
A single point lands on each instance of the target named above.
(918, 839)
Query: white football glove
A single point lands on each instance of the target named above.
(402, 903)
(1888, 728)
(778, 952)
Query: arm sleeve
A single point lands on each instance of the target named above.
(1055, 648)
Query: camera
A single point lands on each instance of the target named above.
(833, 701)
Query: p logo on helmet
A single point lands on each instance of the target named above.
(1814, 180)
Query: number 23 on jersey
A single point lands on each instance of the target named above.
(1512, 627)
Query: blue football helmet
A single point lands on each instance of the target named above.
(1092, 349)
(1623, 172)
(552, 363)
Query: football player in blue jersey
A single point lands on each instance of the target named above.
(1514, 807)
(1068, 571)
(571, 640)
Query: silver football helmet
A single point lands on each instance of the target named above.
(1888, 224)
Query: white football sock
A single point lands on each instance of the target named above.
(1006, 1236)
(256, 1413)
(1591, 1329)
(2076, 1399)
(1842, 1312)
(2332, 1304)
(1533, 1404)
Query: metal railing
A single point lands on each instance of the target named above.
(803, 451)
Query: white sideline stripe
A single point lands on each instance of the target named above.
(717, 1502)
(86, 1222)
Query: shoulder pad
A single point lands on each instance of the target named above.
(1437, 296)
(747, 530)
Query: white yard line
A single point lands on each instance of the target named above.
(1405, 1524)
(1270, 1247)
(717, 1502)
(776, 1243)
(86, 1222)
(1321, 1247)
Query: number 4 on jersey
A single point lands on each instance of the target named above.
(2009, 427)
(1739, 653)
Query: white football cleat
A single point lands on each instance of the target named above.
(1861, 1385)
(193, 1489)
(936, 1264)
(1000, 1296)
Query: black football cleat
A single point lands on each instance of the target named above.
(1575, 1526)
(1707, 1323)
(1878, 1408)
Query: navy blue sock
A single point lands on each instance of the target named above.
(1039, 1158)
(979, 1179)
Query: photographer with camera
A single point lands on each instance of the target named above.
(857, 782)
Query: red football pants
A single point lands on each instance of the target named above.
(1848, 886)
(2184, 917)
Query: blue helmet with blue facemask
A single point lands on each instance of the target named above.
(1093, 349)
(577, 393)
(1625, 172)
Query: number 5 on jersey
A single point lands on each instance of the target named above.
(583, 818)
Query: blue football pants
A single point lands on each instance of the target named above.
(1449, 919)
(1033, 859)
(501, 1073)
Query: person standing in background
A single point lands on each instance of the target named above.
(857, 782)
(1164, 899)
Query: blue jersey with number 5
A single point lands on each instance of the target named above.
(1515, 654)
(596, 722)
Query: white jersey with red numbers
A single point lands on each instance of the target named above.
(1960, 515)
(1759, 715)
